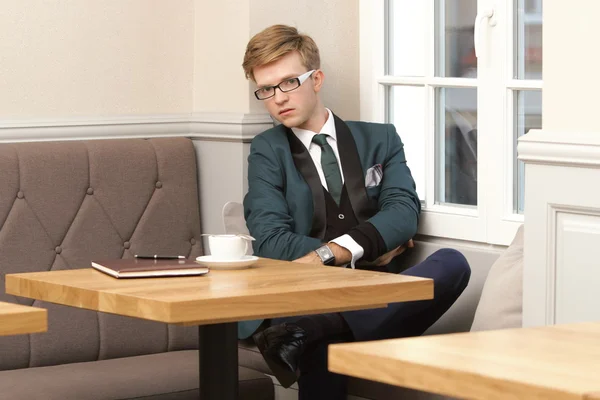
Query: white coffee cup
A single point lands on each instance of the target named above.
(227, 247)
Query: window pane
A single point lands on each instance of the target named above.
(455, 53)
(528, 115)
(528, 39)
(456, 147)
(407, 113)
(406, 33)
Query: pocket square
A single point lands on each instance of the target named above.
(374, 176)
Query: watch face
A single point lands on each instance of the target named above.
(325, 254)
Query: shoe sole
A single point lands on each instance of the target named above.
(283, 375)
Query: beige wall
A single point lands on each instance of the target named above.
(334, 26)
(222, 31)
(66, 58)
(219, 50)
(571, 65)
(61, 59)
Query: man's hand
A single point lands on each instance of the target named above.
(310, 258)
(342, 255)
(389, 256)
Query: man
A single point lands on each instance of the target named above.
(322, 190)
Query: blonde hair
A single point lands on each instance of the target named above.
(275, 42)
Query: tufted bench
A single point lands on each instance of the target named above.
(65, 203)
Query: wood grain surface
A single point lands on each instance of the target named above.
(16, 319)
(269, 289)
(554, 362)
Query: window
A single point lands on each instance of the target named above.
(461, 81)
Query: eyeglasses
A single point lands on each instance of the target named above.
(286, 86)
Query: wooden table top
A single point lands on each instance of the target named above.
(554, 362)
(269, 289)
(16, 319)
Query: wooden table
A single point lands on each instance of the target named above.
(16, 319)
(218, 300)
(553, 362)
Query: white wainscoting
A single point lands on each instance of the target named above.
(236, 127)
(561, 277)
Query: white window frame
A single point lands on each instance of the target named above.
(494, 220)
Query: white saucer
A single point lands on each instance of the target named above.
(215, 263)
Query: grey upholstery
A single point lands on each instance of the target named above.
(164, 376)
(63, 204)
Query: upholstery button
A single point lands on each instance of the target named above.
(341, 216)
(20, 195)
(126, 245)
(193, 241)
(158, 184)
(90, 191)
(58, 249)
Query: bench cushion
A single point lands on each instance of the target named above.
(501, 303)
(63, 204)
(171, 376)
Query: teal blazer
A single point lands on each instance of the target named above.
(285, 204)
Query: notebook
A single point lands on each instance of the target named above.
(148, 268)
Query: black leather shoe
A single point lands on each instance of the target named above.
(281, 346)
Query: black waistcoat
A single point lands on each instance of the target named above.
(339, 219)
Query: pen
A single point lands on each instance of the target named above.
(159, 257)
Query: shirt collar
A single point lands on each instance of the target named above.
(306, 136)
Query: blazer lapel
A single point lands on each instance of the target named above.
(354, 176)
(306, 166)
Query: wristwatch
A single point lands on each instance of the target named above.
(326, 255)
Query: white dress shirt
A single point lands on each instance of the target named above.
(314, 150)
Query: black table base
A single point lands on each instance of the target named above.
(218, 361)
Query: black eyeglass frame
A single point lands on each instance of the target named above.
(300, 79)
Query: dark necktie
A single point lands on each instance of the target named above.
(330, 166)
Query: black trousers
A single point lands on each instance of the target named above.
(450, 271)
